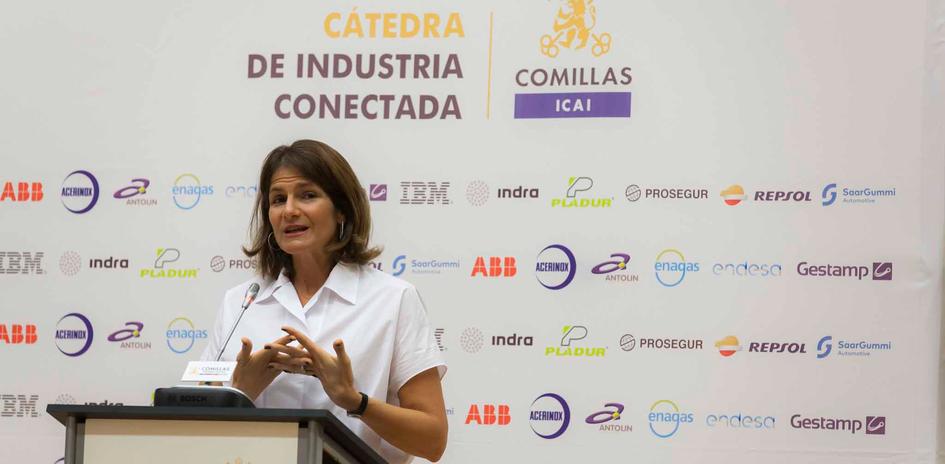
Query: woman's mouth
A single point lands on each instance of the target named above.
(294, 231)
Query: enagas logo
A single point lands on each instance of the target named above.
(733, 195)
(24, 191)
(498, 267)
(492, 414)
(18, 334)
(671, 267)
(728, 346)
(665, 418)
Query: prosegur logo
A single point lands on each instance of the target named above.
(574, 196)
(857, 348)
(879, 270)
(671, 267)
(628, 343)
(550, 416)
(162, 268)
(875, 425)
(862, 195)
(79, 192)
(555, 267)
(134, 193)
(24, 191)
(74, 334)
(566, 349)
(187, 191)
(182, 335)
(666, 418)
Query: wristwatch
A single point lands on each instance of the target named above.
(357, 413)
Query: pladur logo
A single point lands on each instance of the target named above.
(569, 349)
(162, 266)
(575, 195)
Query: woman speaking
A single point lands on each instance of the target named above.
(381, 374)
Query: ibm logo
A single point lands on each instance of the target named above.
(425, 193)
(19, 406)
(21, 262)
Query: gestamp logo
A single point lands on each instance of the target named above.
(181, 335)
(425, 193)
(187, 191)
(74, 334)
(549, 416)
(665, 418)
(21, 262)
(574, 195)
(378, 192)
(24, 191)
(555, 267)
(79, 192)
(879, 270)
(875, 425)
(671, 267)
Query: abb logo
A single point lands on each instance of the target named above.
(489, 416)
(17, 335)
(498, 267)
(25, 191)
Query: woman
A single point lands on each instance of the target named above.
(382, 374)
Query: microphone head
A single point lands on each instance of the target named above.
(251, 293)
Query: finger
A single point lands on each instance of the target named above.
(313, 349)
(289, 350)
(291, 361)
(245, 351)
(339, 347)
(288, 368)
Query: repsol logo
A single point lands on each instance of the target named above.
(21, 262)
(782, 195)
(776, 347)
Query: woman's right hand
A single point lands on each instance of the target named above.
(253, 374)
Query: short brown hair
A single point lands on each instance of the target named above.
(324, 166)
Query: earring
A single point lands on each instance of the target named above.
(341, 231)
(269, 242)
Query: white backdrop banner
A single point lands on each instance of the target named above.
(648, 231)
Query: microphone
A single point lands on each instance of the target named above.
(248, 299)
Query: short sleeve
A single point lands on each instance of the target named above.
(415, 348)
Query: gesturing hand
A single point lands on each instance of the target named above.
(334, 372)
(253, 374)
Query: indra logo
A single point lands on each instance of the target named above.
(855, 195)
(567, 349)
(875, 425)
(21, 262)
(733, 195)
(472, 340)
(425, 193)
(18, 334)
(79, 192)
(23, 192)
(728, 346)
(666, 418)
(162, 266)
(519, 192)
(74, 334)
(187, 191)
(615, 269)
(20, 406)
(550, 416)
(879, 270)
(134, 194)
(477, 193)
(127, 338)
(492, 414)
(182, 335)
(377, 192)
(604, 418)
(575, 198)
(671, 267)
(856, 348)
(555, 267)
(498, 267)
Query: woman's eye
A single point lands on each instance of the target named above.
(311, 194)
(277, 200)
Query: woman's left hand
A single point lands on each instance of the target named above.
(334, 372)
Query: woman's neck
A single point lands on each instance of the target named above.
(310, 273)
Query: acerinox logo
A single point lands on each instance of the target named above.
(138, 187)
(555, 267)
(733, 195)
(79, 192)
(477, 193)
(377, 192)
(181, 335)
(665, 418)
(824, 347)
(74, 334)
(607, 415)
(187, 191)
(549, 416)
(671, 267)
(829, 195)
(728, 346)
(577, 185)
(25, 191)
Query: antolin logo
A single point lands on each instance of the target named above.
(550, 416)
(79, 192)
(875, 425)
(134, 194)
(187, 191)
(425, 193)
(23, 192)
(855, 195)
(182, 335)
(566, 349)
(671, 267)
(665, 418)
(574, 196)
(857, 348)
(555, 267)
(611, 413)
(498, 267)
(615, 269)
(128, 337)
(18, 334)
(162, 268)
(74, 334)
(879, 270)
(21, 262)
(492, 414)
(733, 195)
(19, 405)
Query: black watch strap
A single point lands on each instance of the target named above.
(361, 407)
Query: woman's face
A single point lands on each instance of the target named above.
(303, 218)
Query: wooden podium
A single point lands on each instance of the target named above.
(183, 435)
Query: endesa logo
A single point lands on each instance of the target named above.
(671, 267)
(18, 334)
(492, 414)
(878, 271)
(163, 270)
(134, 193)
(74, 334)
(127, 337)
(182, 335)
(605, 418)
(498, 267)
(20, 406)
(574, 197)
(739, 422)
(555, 267)
(747, 269)
(666, 418)
(21, 262)
(615, 270)
(862, 195)
(549, 416)
(22, 192)
(875, 425)
(425, 193)
(187, 191)
(572, 334)
(79, 192)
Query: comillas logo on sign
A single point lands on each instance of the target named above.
(182, 335)
(187, 191)
(134, 194)
(492, 414)
(79, 192)
(23, 192)
(74, 334)
(549, 416)
(574, 34)
(666, 418)
(575, 195)
(555, 267)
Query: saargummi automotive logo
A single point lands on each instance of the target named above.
(856, 348)
(855, 195)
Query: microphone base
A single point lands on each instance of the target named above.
(202, 396)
